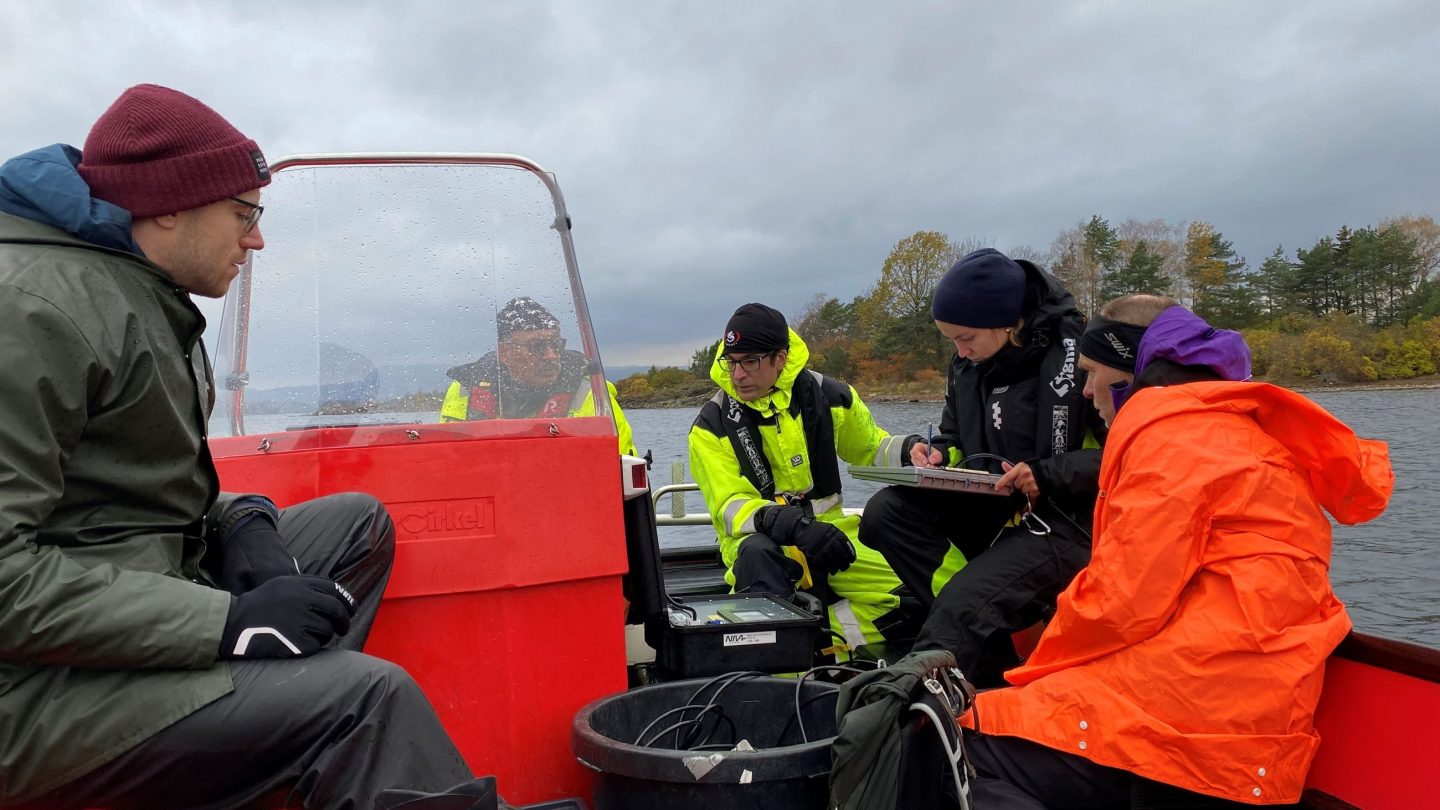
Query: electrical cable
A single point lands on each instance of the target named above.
(966, 459)
(642, 733)
(780, 740)
(1072, 521)
(675, 603)
(800, 684)
(721, 683)
(677, 726)
(697, 738)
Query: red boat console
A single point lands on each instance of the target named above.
(505, 602)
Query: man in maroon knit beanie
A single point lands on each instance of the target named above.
(163, 644)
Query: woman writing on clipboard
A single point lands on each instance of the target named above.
(1014, 407)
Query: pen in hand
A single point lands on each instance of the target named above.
(929, 455)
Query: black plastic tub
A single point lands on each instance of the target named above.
(782, 773)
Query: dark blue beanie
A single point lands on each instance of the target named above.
(984, 290)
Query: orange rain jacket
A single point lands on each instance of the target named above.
(1191, 650)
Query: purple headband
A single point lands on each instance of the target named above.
(1184, 338)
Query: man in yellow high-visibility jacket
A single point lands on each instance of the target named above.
(529, 375)
(763, 451)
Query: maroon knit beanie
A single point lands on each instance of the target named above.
(158, 151)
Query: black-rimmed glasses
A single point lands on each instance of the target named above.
(751, 364)
(253, 217)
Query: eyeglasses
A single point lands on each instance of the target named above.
(253, 217)
(751, 364)
(538, 346)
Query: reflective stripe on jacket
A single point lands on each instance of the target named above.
(1191, 650)
(732, 499)
(469, 402)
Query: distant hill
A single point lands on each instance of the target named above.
(618, 373)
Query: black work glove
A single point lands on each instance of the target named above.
(780, 523)
(286, 617)
(253, 553)
(826, 548)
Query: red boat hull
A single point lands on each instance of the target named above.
(1378, 720)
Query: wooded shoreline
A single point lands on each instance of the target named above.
(693, 395)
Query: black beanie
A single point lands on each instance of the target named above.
(756, 328)
(984, 290)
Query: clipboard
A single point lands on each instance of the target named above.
(954, 479)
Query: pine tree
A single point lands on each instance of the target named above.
(1273, 285)
(1100, 251)
(1315, 278)
(1142, 272)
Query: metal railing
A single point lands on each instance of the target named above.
(677, 516)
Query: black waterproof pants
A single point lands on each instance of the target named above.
(762, 568)
(1016, 774)
(328, 732)
(1008, 571)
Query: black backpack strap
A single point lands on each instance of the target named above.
(814, 395)
(741, 426)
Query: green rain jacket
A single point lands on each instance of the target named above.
(733, 500)
(109, 627)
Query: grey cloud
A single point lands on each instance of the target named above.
(712, 154)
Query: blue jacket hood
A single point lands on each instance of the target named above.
(44, 186)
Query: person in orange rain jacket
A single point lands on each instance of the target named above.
(1184, 664)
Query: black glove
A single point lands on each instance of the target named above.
(780, 523)
(826, 548)
(253, 553)
(286, 617)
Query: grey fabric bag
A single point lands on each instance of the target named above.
(898, 746)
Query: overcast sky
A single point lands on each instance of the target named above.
(717, 153)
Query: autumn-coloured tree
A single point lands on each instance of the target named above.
(831, 330)
(1216, 278)
(899, 306)
(910, 273)
(1356, 305)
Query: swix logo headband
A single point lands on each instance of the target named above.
(1112, 343)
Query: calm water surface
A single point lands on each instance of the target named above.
(1386, 571)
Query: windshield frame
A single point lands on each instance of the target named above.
(235, 326)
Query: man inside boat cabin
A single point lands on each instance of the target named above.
(529, 375)
(1184, 663)
(163, 644)
(763, 452)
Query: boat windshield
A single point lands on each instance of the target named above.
(394, 288)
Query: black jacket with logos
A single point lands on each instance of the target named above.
(1026, 403)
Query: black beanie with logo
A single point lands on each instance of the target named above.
(756, 328)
